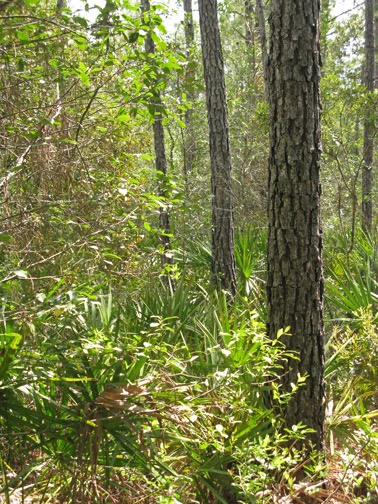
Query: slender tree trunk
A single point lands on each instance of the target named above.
(367, 170)
(324, 24)
(61, 4)
(262, 30)
(160, 157)
(223, 258)
(189, 136)
(295, 279)
(376, 42)
(188, 24)
(249, 20)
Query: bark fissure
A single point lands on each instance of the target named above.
(368, 152)
(223, 259)
(295, 281)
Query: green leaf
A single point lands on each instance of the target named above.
(122, 119)
(162, 28)
(10, 352)
(82, 73)
(20, 65)
(111, 256)
(23, 36)
(133, 37)
(81, 21)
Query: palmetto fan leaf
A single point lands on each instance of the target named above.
(350, 287)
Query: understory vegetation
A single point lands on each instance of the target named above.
(125, 380)
(164, 397)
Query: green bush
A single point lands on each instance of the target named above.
(168, 399)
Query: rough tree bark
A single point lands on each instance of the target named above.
(160, 157)
(223, 257)
(367, 169)
(295, 279)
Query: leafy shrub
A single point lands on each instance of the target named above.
(167, 400)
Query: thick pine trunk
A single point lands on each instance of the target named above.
(223, 258)
(367, 169)
(295, 280)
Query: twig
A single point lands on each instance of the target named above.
(20, 160)
(346, 471)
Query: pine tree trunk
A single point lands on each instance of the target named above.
(262, 31)
(249, 21)
(325, 16)
(189, 136)
(61, 4)
(376, 43)
(295, 279)
(367, 170)
(188, 23)
(223, 258)
(160, 158)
